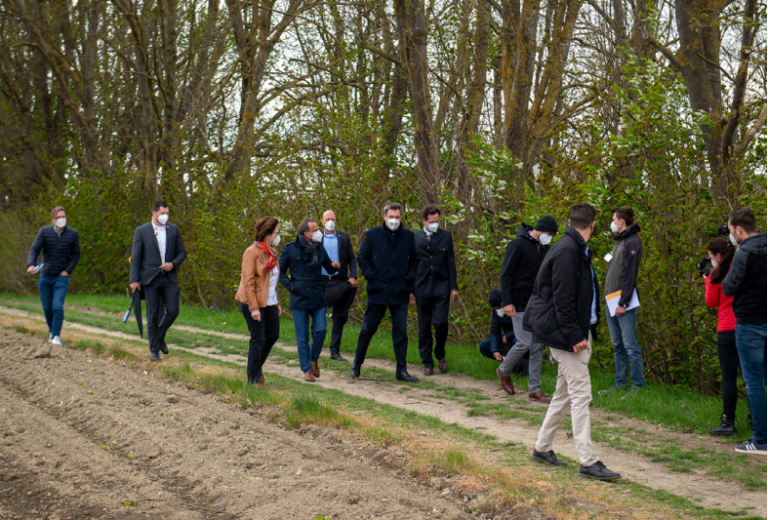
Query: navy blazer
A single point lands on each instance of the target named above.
(436, 275)
(389, 262)
(146, 259)
(305, 284)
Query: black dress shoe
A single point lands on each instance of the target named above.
(726, 428)
(163, 348)
(405, 376)
(155, 357)
(598, 471)
(337, 357)
(354, 372)
(547, 457)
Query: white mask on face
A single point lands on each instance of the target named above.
(714, 264)
(61, 222)
(545, 239)
(393, 224)
(614, 227)
(317, 236)
(500, 313)
(330, 225)
(432, 227)
(733, 239)
(276, 240)
(163, 219)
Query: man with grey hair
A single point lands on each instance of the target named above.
(388, 260)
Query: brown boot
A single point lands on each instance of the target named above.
(309, 376)
(315, 369)
(428, 371)
(261, 378)
(540, 397)
(506, 383)
(442, 364)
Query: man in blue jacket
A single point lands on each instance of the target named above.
(306, 258)
(388, 260)
(60, 246)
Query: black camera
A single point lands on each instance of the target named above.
(704, 266)
(723, 230)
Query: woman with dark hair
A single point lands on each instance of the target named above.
(257, 295)
(721, 254)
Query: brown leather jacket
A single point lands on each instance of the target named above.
(254, 281)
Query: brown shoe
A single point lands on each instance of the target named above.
(309, 376)
(315, 369)
(442, 364)
(428, 371)
(261, 378)
(506, 383)
(540, 397)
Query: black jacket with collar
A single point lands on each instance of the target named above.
(146, 259)
(560, 308)
(501, 326)
(436, 274)
(522, 260)
(305, 283)
(388, 261)
(347, 259)
(61, 252)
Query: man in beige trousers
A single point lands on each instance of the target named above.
(563, 310)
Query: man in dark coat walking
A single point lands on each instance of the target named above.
(158, 251)
(388, 260)
(563, 313)
(435, 286)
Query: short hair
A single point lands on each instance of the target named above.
(264, 226)
(582, 215)
(428, 210)
(626, 213)
(743, 218)
(304, 226)
(55, 210)
(157, 205)
(394, 206)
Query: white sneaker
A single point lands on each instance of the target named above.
(50, 338)
(56, 340)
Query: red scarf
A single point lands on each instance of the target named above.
(272, 258)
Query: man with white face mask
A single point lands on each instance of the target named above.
(60, 246)
(502, 336)
(388, 260)
(522, 260)
(158, 251)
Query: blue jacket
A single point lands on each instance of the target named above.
(60, 252)
(501, 327)
(389, 262)
(305, 284)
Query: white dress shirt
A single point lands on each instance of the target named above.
(161, 236)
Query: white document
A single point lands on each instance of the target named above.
(612, 301)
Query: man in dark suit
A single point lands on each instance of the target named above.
(388, 260)
(341, 287)
(158, 251)
(434, 288)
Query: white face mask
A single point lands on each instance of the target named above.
(330, 225)
(714, 264)
(500, 313)
(393, 224)
(614, 227)
(317, 236)
(276, 240)
(432, 227)
(733, 239)
(61, 222)
(545, 239)
(162, 219)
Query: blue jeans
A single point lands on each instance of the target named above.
(751, 343)
(626, 349)
(301, 326)
(53, 289)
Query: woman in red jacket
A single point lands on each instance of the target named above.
(721, 254)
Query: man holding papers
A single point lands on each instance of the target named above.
(621, 298)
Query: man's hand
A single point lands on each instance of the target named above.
(167, 267)
(336, 264)
(353, 282)
(279, 310)
(63, 273)
(620, 311)
(581, 345)
(497, 356)
(510, 311)
(135, 286)
(504, 339)
(31, 269)
(413, 301)
(454, 294)
(256, 315)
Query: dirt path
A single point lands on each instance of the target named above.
(704, 490)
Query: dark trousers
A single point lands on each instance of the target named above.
(162, 309)
(433, 312)
(264, 335)
(339, 295)
(374, 313)
(729, 370)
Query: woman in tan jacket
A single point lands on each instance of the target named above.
(257, 295)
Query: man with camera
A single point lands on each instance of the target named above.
(746, 282)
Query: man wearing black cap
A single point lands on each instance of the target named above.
(522, 260)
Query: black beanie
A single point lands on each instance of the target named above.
(494, 300)
(546, 224)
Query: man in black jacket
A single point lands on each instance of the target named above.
(60, 246)
(502, 338)
(562, 313)
(340, 287)
(518, 274)
(435, 286)
(388, 260)
(158, 251)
